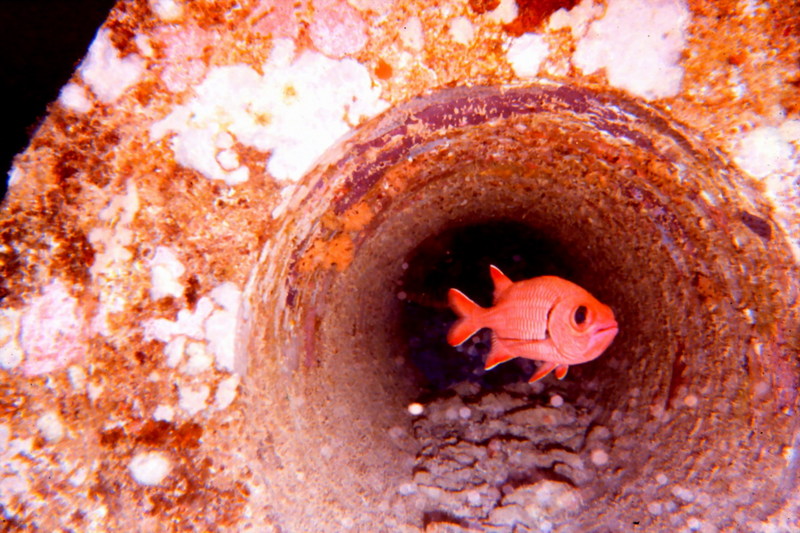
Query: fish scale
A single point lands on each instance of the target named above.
(521, 312)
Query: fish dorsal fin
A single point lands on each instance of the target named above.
(501, 281)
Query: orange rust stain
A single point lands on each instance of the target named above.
(482, 6)
(533, 13)
(357, 217)
(154, 433)
(383, 70)
(354, 219)
(334, 253)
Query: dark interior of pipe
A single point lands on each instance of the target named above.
(460, 258)
(647, 227)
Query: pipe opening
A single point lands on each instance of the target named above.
(349, 320)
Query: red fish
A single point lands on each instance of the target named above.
(547, 319)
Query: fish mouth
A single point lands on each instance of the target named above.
(608, 328)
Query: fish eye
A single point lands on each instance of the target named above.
(580, 315)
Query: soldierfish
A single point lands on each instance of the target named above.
(547, 319)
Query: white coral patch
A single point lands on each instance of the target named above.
(526, 54)
(295, 110)
(576, 19)
(149, 468)
(462, 30)
(226, 392)
(167, 10)
(504, 13)
(188, 323)
(112, 239)
(50, 426)
(764, 151)
(411, 34)
(199, 359)
(106, 73)
(214, 320)
(14, 176)
(52, 328)
(165, 269)
(193, 399)
(74, 97)
(164, 412)
(639, 43)
(221, 326)
(11, 353)
(174, 350)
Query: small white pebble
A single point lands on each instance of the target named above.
(704, 499)
(415, 408)
(50, 426)
(406, 489)
(690, 400)
(149, 468)
(404, 266)
(326, 452)
(164, 412)
(760, 389)
(599, 457)
(465, 413)
(474, 498)
(599, 433)
(5, 434)
(694, 524)
(94, 390)
(556, 400)
(658, 411)
(654, 508)
(661, 479)
(77, 378)
(682, 493)
(537, 387)
(79, 476)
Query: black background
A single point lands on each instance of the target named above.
(41, 43)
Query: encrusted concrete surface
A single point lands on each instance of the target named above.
(214, 299)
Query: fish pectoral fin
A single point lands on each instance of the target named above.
(545, 369)
(561, 371)
(500, 353)
(537, 349)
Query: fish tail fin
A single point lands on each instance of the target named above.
(470, 315)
